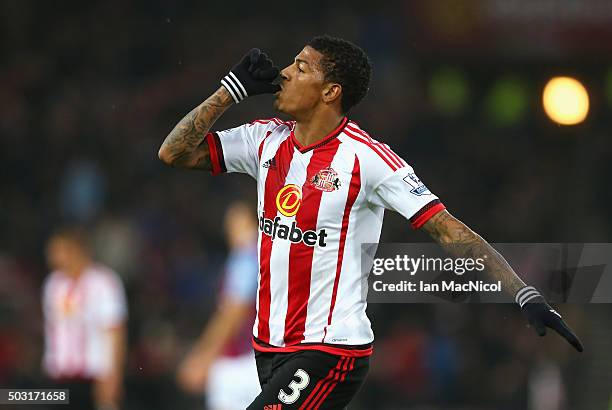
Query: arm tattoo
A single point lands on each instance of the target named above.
(185, 145)
(459, 240)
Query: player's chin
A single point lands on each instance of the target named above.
(278, 106)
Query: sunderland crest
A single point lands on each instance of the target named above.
(326, 180)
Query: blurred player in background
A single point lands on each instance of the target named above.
(85, 316)
(323, 186)
(222, 361)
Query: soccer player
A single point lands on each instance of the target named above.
(85, 318)
(323, 185)
(221, 361)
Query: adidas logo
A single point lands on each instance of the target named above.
(271, 163)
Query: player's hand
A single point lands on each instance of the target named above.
(540, 315)
(192, 373)
(251, 76)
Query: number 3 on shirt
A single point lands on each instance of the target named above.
(295, 387)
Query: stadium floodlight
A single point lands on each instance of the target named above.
(507, 102)
(449, 91)
(565, 100)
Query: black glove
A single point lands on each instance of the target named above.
(251, 76)
(540, 315)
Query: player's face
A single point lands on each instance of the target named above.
(302, 84)
(239, 225)
(61, 253)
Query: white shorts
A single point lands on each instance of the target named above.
(232, 383)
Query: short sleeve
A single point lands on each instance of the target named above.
(237, 149)
(47, 307)
(399, 189)
(240, 282)
(111, 306)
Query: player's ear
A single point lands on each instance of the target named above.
(332, 92)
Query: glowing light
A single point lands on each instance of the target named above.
(507, 101)
(565, 100)
(449, 91)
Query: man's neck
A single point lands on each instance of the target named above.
(76, 270)
(315, 128)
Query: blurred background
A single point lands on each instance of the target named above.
(89, 90)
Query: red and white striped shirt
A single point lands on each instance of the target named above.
(78, 312)
(316, 206)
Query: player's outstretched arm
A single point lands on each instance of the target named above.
(459, 240)
(185, 146)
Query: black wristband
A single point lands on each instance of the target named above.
(234, 87)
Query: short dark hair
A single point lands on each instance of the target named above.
(347, 64)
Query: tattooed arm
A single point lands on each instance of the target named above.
(185, 147)
(459, 240)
